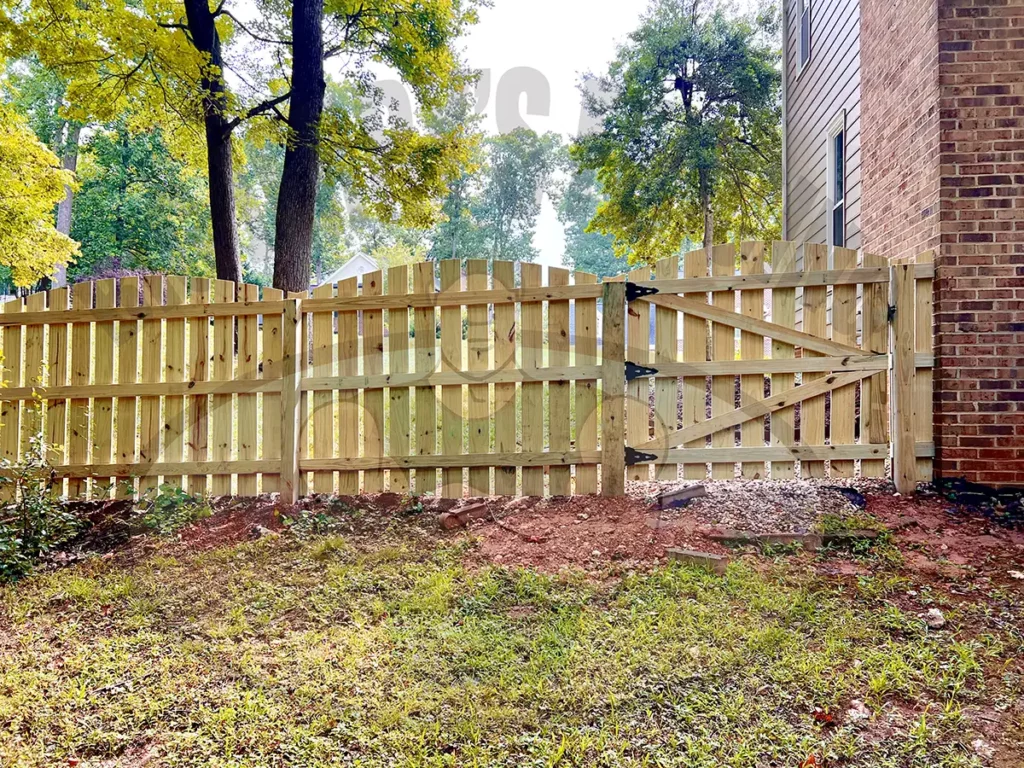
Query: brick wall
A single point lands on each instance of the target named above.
(979, 296)
(899, 127)
(942, 97)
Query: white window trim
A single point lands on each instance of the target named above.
(801, 64)
(837, 126)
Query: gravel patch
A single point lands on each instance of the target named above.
(764, 506)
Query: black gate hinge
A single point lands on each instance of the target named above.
(634, 371)
(891, 313)
(633, 456)
(635, 291)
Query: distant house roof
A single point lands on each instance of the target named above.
(354, 267)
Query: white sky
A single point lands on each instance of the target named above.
(561, 39)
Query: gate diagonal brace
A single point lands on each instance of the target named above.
(633, 456)
(634, 371)
(634, 291)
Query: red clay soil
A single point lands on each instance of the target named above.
(592, 532)
(943, 540)
(583, 532)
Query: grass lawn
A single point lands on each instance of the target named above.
(331, 651)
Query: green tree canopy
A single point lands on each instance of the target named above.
(690, 130)
(586, 250)
(139, 208)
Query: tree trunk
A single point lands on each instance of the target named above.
(70, 162)
(296, 201)
(203, 29)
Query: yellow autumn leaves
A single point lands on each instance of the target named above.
(31, 184)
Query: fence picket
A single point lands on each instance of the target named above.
(812, 411)
(223, 370)
(586, 389)
(103, 407)
(303, 360)
(323, 399)
(425, 319)
(695, 349)
(10, 410)
(273, 336)
(874, 413)
(398, 362)
(666, 350)
(783, 425)
(638, 350)
(31, 415)
(174, 406)
(559, 477)
(57, 376)
(373, 399)
(613, 389)
(451, 394)
(723, 347)
(127, 373)
(478, 349)
(199, 370)
(150, 425)
(752, 348)
(78, 413)
(532, 313)
(248, 368)
(504, 394)
(844, 329)
(348, 399)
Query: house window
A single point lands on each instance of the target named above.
(837, 182)
(805, 31)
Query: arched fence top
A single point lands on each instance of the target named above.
(404, 378)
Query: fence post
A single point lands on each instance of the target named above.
(613, 390)
(904, 460)
(291, 381)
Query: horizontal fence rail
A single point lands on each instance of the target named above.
(475, 378)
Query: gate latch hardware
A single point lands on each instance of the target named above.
(892, 313)
(635, 291)
(633, 456)
(634, 371)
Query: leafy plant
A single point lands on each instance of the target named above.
(167, 509)
(412, 503)
(308, 524)
(34, 521)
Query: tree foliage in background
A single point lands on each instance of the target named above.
(586, 250)
(259, 184)
(31, 185)
(138, 209)
(690, 131)
(519, 166)
(456, 235)
(164, 64)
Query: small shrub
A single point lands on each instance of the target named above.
(35, 521)
(412, 503)
(308, 524)
(169, 509)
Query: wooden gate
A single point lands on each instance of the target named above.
(751, 380)
(478, 379)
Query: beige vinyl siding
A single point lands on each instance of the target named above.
(829, 83)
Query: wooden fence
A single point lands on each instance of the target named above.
(478, 379)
